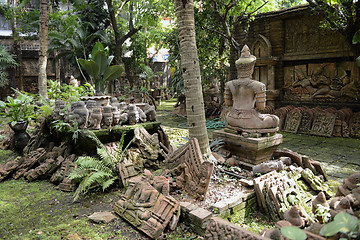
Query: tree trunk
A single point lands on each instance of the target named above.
(43, 38)
(184, 10)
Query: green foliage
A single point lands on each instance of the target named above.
(6, 61)
(293, 233)
(70, 38)
(66, 129)
(67, 92)
(19, 108)
(100, 172)
(99, 69)
(343, 223)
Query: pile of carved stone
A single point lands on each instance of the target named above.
(277, 192)
(347, 199)
(54, 163)
(317, 121)
(147, 203)
(91, 115)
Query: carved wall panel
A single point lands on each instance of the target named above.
(323, 124)
(306, 121)
(354, 125)
(293, 119)
(192, 173)
(326, 82)
(305, 36)
(145, 208)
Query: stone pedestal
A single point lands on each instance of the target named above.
(250, 150)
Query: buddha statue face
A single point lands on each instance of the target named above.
(108, 119)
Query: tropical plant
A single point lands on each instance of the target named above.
(100, 172)
(66, 129)
(67, 92)
(343, 223)
(6, 61)
(18, 109)
(99, 69)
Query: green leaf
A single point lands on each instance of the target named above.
(331, 229)
(293, 233)
(112, 73)
(97, 47)
(356, 37)
(90, 67)
(100, 58)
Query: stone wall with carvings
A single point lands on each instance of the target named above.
(307, 64)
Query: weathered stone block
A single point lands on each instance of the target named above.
(199, 216)
(104, 217)
(251, 150)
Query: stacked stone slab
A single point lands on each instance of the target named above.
(319, 122)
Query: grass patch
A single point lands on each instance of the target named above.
(37, 210)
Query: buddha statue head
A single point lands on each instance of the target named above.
(246, 63)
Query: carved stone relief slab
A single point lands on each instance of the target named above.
(333, 82)
(29, 161)
(323, 124)
(306, 121)
(293, 119)
(127, 171)
(219, 228)
(60, 176)
(354, 125)
(148, 144)
(145, 208)
(7, 168)
(192, 173)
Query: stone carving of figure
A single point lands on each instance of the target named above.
(133, 114)
(107, 117)
(59, 106)
(73, 81)
(139, 198)
(114, 102)
(122, 106)
(116, 115)
(80, 114)
(150, 112)
(243, 94)
(95, 118)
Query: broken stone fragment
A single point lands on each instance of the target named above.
(102, 217)
(267, 167)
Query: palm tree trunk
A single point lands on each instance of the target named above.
(43, 38)
(184, 10)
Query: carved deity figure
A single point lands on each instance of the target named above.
(59, 106)
(243, 94)
(139, 198)
(79, 113)
(107, 117)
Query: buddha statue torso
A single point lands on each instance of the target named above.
(244, 94)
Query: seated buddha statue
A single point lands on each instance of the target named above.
(245, 96)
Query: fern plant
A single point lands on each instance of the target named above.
(97, 172)
(6, 61)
